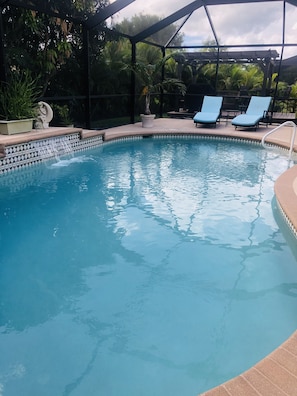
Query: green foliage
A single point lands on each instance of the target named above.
(150, 79)
(148, 54)
(62, 115)
(53, 48)
(294, 90)
(18, 97)
(107, 73)
(140, 22)
(45, 44)
(232, 77)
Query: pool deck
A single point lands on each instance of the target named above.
(276, 374)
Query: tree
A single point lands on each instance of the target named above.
(140, 22)
(107, 73)
(44, 43)
(149, 76)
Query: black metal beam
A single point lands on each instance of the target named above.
(2, 54)
(221, 2)
(211, 25)
(232, 56)
(233, 46)
(132, 84)
(281, 57)
(224, 2)
(86, 47)
(177, 31)
(183, 12)
(167, 21)
(293, 2)
(107, 12)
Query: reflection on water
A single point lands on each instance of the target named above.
(140, 267)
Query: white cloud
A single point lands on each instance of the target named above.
(237, 24)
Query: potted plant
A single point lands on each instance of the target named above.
(18, 106)
(150, 79)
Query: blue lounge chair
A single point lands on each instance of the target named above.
(257, 110)
(210, 110)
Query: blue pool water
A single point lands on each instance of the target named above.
(153, 267)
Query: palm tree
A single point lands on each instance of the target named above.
(150, 78)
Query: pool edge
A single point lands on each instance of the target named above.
(275, 374)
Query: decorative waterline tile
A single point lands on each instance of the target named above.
(27, 154)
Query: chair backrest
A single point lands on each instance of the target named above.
(258, 105)
(212, 104)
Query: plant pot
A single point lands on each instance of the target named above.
(15, 126)
(147, 120)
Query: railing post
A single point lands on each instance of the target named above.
(277, 128)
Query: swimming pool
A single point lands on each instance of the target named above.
(143, 267)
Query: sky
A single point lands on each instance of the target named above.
(247, 23)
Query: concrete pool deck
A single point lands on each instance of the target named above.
(276, 374)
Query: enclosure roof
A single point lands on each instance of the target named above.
(58, 7)
(247, 23)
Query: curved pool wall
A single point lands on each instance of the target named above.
(275, 374)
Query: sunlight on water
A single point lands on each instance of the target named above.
(152, 267)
